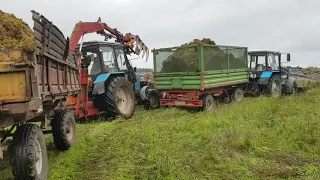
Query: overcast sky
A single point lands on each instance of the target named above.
(284, 25)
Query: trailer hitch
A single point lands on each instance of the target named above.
(3, 110)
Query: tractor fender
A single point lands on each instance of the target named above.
(99, 83)
(99, 88)
(289, 85)
(143, 93)
(265, 77)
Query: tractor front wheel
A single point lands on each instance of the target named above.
(274, 86)
(153, 101)
(294, 88)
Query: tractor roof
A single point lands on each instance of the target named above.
(263, 52)
(91, 43)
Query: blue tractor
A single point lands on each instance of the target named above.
(267, 76)
(106, 62)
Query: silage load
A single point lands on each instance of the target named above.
(15, 33)
(187, 59)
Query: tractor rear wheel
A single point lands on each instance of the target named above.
(119, 98)
(274, 86)
(63, 129)
(28, 153)
(208, 103)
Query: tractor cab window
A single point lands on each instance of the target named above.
(259, 63)
(109, 59)
(273, 62)
(121, 59)
(252, 61)
(95, 64)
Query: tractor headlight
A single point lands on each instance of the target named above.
(253, 75)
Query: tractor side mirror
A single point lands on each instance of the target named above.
(288, 57)
(135, 69)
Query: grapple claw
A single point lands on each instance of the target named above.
(147, 54)
(138, 39)
(143, 51)
(136, 51)
(141, 45)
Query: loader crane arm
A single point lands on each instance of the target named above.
(127, 40)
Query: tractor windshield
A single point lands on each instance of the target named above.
(273, 62)
(109, 59)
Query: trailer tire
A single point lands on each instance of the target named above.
(64, 129)
(118, 88)
(28, 153)
(208, 102)
(274, 86)
(237, 95)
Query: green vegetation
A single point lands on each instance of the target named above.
(260, 138)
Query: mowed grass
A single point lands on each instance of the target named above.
(260, 138)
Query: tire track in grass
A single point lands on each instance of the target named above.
(67, 165)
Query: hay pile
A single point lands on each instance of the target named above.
(187, 59)
(14, 33)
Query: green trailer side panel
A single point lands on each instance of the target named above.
(225, 78)
(178, 81)
(192, 81)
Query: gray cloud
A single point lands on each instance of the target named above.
(286, 25)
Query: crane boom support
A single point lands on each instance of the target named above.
(127, 40)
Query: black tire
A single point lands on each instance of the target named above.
(237, 95)
(294, 89)
(64, 129)
(208, 103)
(274, 86)
(153, 101)
(28, 153)
(226, 99)
(111, 105)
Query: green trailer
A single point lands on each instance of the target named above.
(200, 75)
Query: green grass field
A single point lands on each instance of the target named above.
(260, 138)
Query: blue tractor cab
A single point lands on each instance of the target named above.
(106, 61)
(267, 76)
